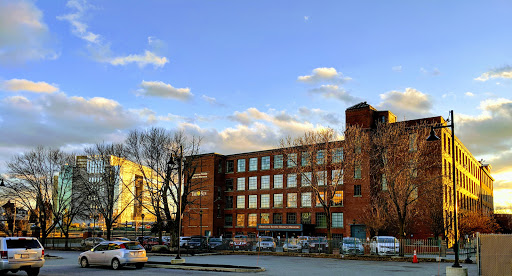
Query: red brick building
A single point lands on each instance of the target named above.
(248, 193)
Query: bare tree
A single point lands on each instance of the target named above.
(32, 185)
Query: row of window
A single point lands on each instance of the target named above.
(277, 218)
(291, 161)
(278, 200)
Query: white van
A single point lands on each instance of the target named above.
(21, 253)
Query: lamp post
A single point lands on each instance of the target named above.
(179, 162)
(200, 215)
(433, 137)
(142, 217)
(126, 229)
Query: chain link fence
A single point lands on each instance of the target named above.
(494, 254)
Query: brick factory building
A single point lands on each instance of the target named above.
(255, 193)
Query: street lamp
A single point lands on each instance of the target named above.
(200, 216)
(178, 161)
(433, 137)
(126, 229)
(142, 217)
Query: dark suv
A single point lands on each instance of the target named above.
(197, 243)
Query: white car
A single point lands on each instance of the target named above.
(184, 241)
(292, 245)
(115, 254)
(352, 246)
(21, 253)
(384, 245)
(265, 243)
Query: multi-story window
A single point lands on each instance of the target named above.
(240, 220)
(291, 218)
(320, 199)
(278, 161)
(291, 181)
(305, 158)
(229, 184)
(241, 165)
(265, 201)
(337, 177)
(292, 160)
(265, 218)
(265, 163)
(305, 218)
(253, 201)
(337, 199)
(278, 200)
(229, 202)
(278, 181)
(357, 190)
(305, 199)
(337, 155)
(321, 178)
(291, 201)
(228, 220)
(253, 220)
(277, 218)
(240, 202)
(305, 179)
(265, 182)
(230, 166)
(357, 171)
(412, 142)
(253, 164)
(320, 157)
(384, 182)
(337, 220)
(240, 183)
(253, 183)
(321, 220)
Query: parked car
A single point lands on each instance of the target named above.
(304, 240)
(292, 245)
(148, 243)
(120, 239)
(352, 246)
(215, 243)
(184, 241)
(115, 254)
(318, 244)
(384, 245)
(21, 253)
(197, 243)
(92, 241)
(240, 242)
(266, 243)
(141, 239)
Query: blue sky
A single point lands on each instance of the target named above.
(244, 74)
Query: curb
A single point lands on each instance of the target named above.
(202, 268)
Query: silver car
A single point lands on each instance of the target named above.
(115, 254)
(92, 241)
(21, 253)
(266, 243)
(352, 246)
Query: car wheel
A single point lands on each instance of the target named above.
(139, 265)
(33, 271)
(116, 264)
(84, 262)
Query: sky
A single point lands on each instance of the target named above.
(244, 74)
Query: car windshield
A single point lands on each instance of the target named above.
(351, 241)
(195, 239)
(386, 240)
(23, 244)
(215, 240)
(133, 246)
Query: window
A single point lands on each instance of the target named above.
(278, 181)
(240, 202)
(337, 155)
(265, 163)
(291, 218)
(229, 202)
(253, 164)
(265, 182)
(306, 179)
(291, 202)
(265, 201)
(253, 220)
(320, 157)
(253, 183)
(240, 220)
(305, 218)
(265, 218)
(278, 200)
(240, 184)
(321, 178)
(318, 201)
(228, 220)
(229, 184)
(337, 199)
(414, 169)
(306, 199)
(253, 201)
(241, 165)
(412, 142)
(337, 220)
(277, 218)
(337, 177)
(357, 171)
(305, 159)
(292, 160)
(278, 161)
(357, 190)
(321, 220)
(230, 166)
(384, 182)
(291, 182)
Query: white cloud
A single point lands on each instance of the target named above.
(504, 72)
(434, 72)
(147, 58)
(469, 94)
(306, 18)
(15, 85)
(324, 74)
(332, 91)
(410, 104)
(23, 34)
(397, 68)
(164, 90)
(212, 101)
